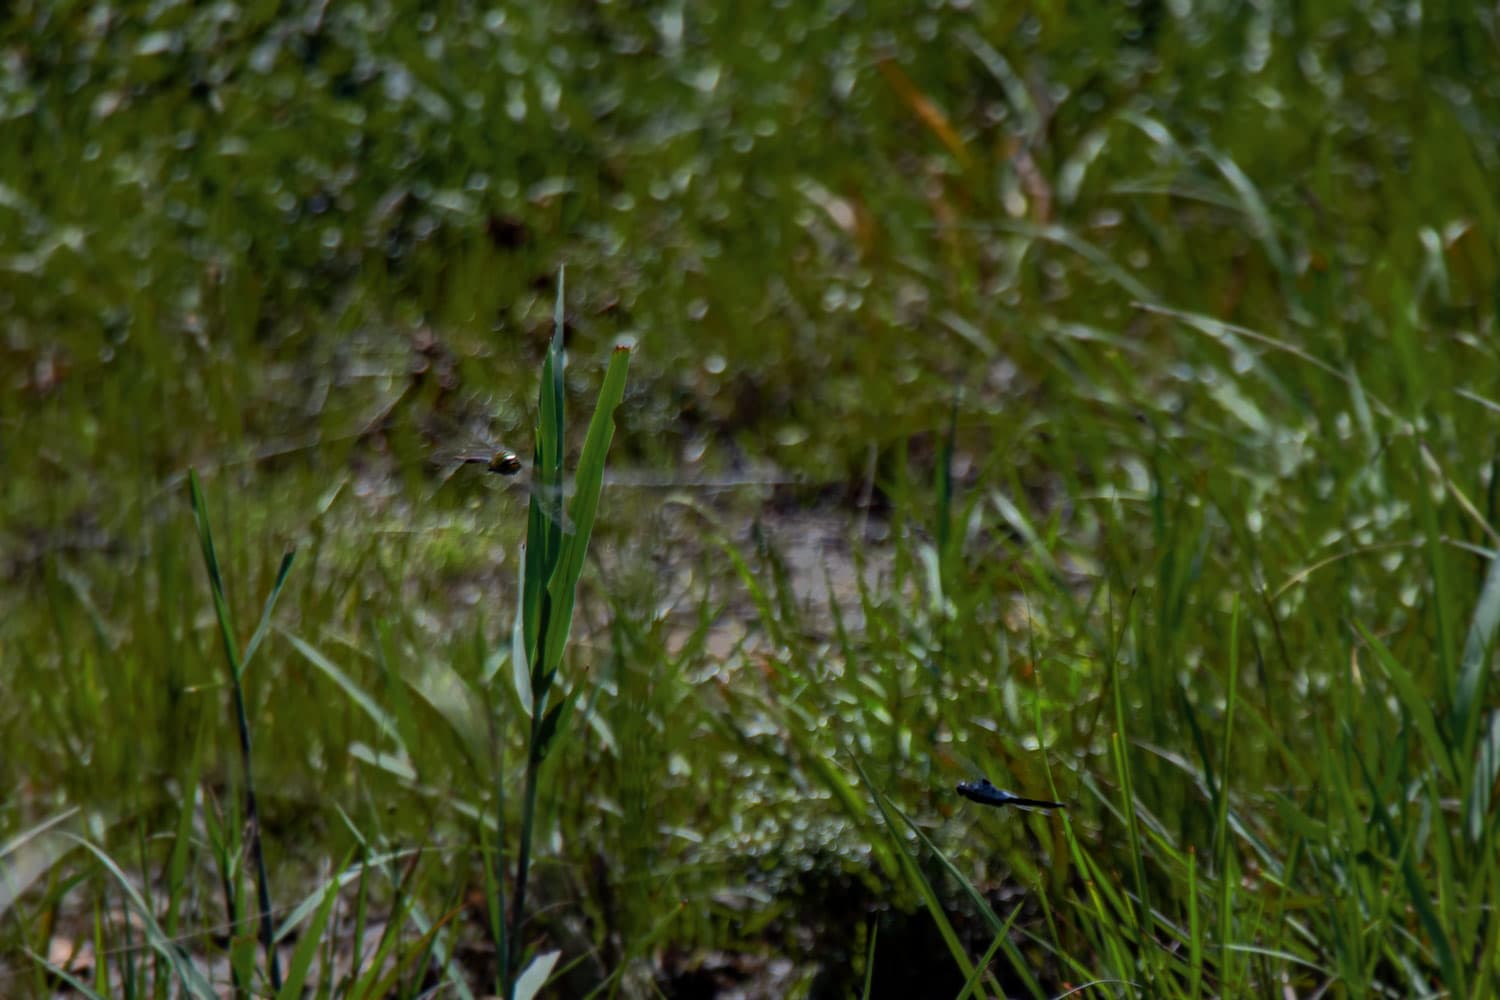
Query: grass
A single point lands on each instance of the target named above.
(1135, 372)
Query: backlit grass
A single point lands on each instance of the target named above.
(1118, 390)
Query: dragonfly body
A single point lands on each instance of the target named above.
(983, 792)
(499, 460)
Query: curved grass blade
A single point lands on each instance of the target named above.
(356, 694)
(27, 856)
(919, 880)
(194, 983)
(1000, 927)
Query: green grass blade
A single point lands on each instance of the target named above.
(375, 985)
(28, 856)
(270, 606)
(918, 880)
(215, 577)
(1479, 646)
(1000, 927)
(1479, 808)
(67, 977)
(543, 533)
(351, 689)
(1416, 890)
(1417, 705)
(870, 961)
(242, 719)
(193, 981)
(1224, 853)
(982, 966)
(589, 482)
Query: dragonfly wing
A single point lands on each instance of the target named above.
(447, 461)
(1025, 803)
(549, 501)
(444, 468)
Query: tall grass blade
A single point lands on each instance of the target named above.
(1416, 704)
(242, 721)
(1223, 848)
(1416, 889)
(555, 552)
(1001, 928)
(543, 533)
(1255, 210)
(589, 482)
(982, 966)
(270, 606)
(1480, 807)
(352, 690)
(918, 880)
(1479, 646)
(870, 961)
(374, 986)
(78, 984)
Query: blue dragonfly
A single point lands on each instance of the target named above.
(984, 793)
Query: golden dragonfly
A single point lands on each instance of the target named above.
(499, 460)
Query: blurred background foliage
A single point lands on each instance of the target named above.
(1207, 290)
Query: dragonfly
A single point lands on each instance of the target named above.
(463, 446)
(474, 449)
(984, 793)
(501, 461)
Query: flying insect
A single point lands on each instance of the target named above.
(984, 793)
